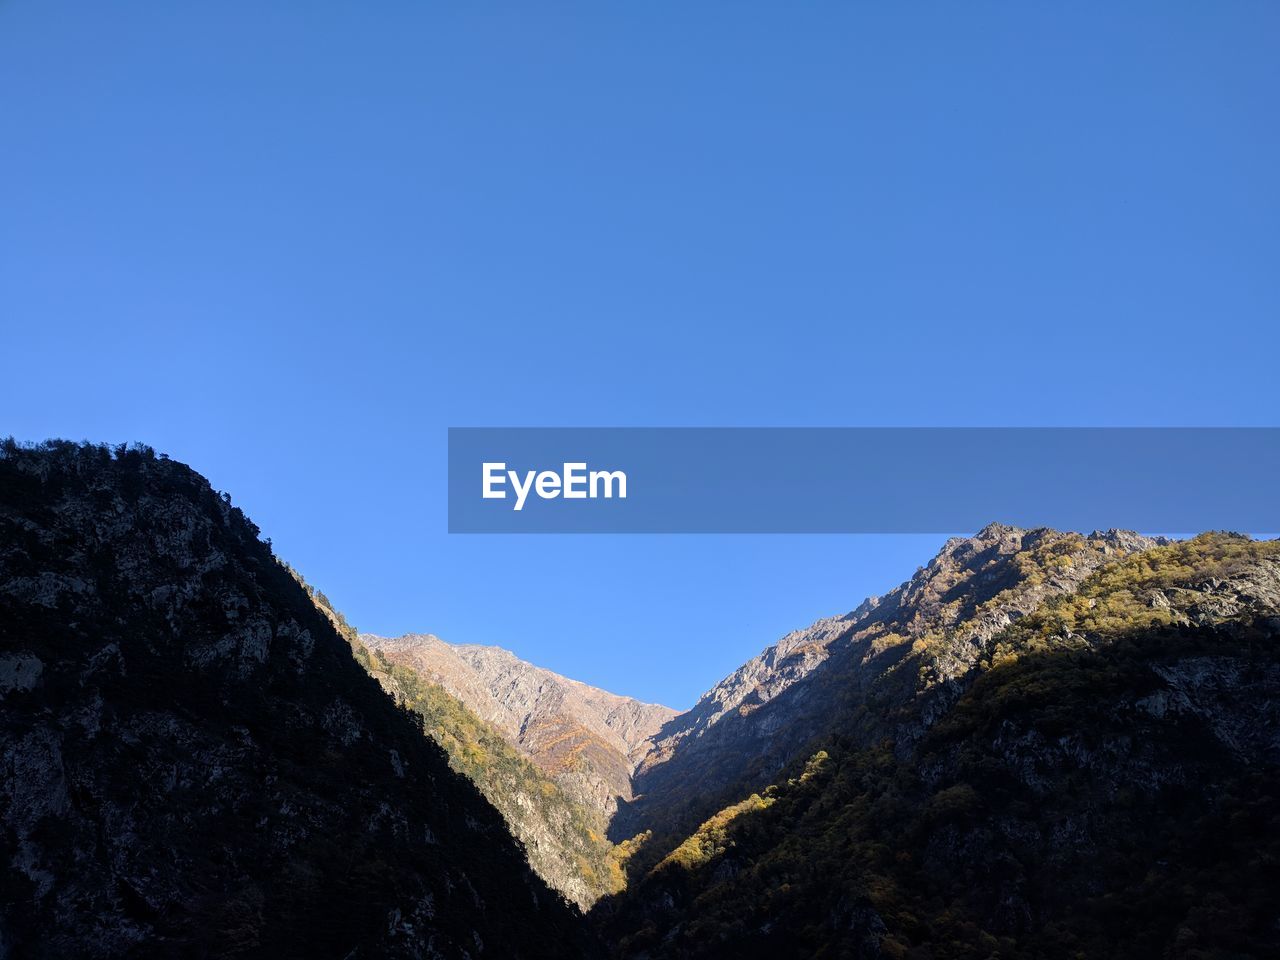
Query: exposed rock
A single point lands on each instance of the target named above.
(742, 731)
(19, 672)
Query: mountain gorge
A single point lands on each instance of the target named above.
(1042, 744)
(563, 836)
(535, 744)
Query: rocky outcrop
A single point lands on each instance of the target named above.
(746, 728)
(194, 765)
(1100, 776)
(589, 740)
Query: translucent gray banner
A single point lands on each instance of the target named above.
(860, 480)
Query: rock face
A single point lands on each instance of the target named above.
(746, 728)
(194, 765)
(588, 740)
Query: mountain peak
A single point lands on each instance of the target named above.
(997, 529)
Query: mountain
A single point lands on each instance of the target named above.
(1042, 764)
(563, 837)
(926, 633)
(588, 740)
(194, 763)
(1041, 745)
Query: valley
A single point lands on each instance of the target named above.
(1042, 744)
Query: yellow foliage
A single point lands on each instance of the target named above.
(711, 839)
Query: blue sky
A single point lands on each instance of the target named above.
(290, 244)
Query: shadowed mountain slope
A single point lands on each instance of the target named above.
(194, 764)
(564, 838)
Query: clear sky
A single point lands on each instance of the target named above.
(291, 243)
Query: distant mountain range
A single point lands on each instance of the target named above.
(1042, 744)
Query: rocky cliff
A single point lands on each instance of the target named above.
(194, 764)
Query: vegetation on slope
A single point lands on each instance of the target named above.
(894, 661)
(1154, 588)
(563, 838)
(1108, 790)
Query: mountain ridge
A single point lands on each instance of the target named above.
(751, 724)
(1104, 782)
(588, 739)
